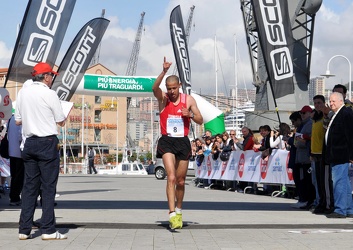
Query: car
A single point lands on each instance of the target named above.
(159, 170)
(160, 173)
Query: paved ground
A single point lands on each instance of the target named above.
(127, 212)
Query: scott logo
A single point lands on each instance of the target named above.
(38, 49)
(62, 93)
(280, 57)
(281, 63)
(273, 22)
(78, 59)
(183, 54)
(47, 21)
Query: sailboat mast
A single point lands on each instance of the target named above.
(236, 83)
(216, 69)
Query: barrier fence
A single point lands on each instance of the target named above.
(250, 167)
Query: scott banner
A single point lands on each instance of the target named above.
(78, 57)
(276, 41)
(249, 167)
(180, 48)
(40, 37)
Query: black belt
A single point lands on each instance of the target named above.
(35, 136)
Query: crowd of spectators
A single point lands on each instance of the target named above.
(319, 187)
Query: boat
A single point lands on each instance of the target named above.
(124, 168)
(236, 119)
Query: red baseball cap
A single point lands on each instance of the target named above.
(41, 68)
(305, 109)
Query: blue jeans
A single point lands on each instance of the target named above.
(314, 181)
(42, 163)
(342, 192)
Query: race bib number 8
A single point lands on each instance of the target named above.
(175, 127)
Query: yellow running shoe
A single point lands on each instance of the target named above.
(174, 222)
(180, 220)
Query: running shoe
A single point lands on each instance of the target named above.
(174, 222)
(180, 219)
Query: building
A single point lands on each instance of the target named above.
(93, 120)
(316, 87)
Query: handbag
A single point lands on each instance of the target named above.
(265, 153)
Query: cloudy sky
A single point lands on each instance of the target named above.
(221, 19)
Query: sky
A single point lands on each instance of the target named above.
(219, 20)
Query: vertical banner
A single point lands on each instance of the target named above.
(180, 48)
(78, 57)
(41, 34)
(276, 41)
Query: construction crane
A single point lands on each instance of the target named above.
(132, 65)
(187, 30)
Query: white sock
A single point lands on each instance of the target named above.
(172, 214)
(177, 210)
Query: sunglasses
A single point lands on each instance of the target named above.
(232, 134)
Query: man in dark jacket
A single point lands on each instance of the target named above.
(339, 154)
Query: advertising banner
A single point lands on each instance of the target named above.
(40, 37)
(78, 57)
(181, 53)
(277, 42)
(118, 83)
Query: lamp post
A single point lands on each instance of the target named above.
(151, 129)
(328, 73)
(117, 128)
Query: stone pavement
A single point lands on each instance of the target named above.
(130, 212)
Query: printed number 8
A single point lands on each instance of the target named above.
(175, 129)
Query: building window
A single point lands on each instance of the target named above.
(98, 99)
(97, 134)
(97, 115)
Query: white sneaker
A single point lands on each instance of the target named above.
(24, 236)
(54, 236)
(299, 204)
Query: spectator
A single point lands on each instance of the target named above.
(247, 144)
(16, 163)
(233, 138)
(296, 120)
(339, 154)
(302, 160)
(39, 111)
(281, 137)
(320, 170)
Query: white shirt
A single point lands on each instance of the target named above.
(39, 109)
(329, 125)
(278, 142)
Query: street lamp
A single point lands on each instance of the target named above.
(151, 129)
(328, 73)
(117, 128)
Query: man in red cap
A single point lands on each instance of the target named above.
(39, 111)
(302, 158)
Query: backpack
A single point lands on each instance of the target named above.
(225, 154)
